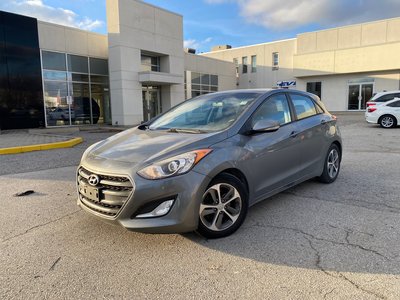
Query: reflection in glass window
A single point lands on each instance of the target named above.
(253, 64)
(98, 66)
(195, 77)
(99, 79)
(53, 61)
(314, 88)
(54, 75)
(78, 77)
(72, 95)
(244, 64)
(236, 63)
(214, 80)
(303, 106)
(101, 95)
(275, 61)
(275, 108)
(150, 63)
(203, 84)
(78, 64)
(55, 99)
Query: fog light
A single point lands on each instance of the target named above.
(159, 211)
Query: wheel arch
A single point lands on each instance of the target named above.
(339, 145)
(390, 115)
(238, 174)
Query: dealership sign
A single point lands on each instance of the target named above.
(286, 84)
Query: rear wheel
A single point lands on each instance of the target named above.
(331, 166)
(388, 121)
(223, 207)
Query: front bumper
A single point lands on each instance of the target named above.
(187, 190)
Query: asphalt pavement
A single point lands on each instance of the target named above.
(314, 241)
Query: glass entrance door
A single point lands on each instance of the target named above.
(359, 94)
(151, 102)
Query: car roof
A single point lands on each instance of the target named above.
(385, 93)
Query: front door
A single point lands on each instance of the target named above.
(359, 94)
(275, 160)
(151, 102)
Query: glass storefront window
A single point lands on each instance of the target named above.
(79, 77)
(73, 95)
(99, 79)
(55, 98)
(98, 66)
(78, 64)
(54, 75)
(53, 61)
(80, 108)
(101, 102)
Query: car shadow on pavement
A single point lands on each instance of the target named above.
(306, 229)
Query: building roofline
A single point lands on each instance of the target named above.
(161, 8)
(73, 28)
(350, 25)
(248, 46)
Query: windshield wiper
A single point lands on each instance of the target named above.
(186, 130)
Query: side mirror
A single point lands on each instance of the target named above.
(265, 126)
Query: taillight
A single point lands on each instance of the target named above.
(370, 104)
(372, 109)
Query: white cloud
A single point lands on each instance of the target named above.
(41, 11)
(289, 14)
(195, 44)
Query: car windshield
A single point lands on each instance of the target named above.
(206, 113)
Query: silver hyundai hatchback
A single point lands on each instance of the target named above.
(200, 165)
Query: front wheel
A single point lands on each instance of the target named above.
(331, 165)
(223, 207)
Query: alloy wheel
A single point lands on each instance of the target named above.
(387, 122)
(333, 163)
(221, 207)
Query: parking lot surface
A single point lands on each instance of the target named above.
(314, 241)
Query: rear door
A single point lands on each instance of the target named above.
(395, 110)
(310, 127)
(275, 161)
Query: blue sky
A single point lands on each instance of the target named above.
(212, 22)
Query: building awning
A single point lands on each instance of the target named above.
(159, 78)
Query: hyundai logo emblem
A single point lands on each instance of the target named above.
(93, 180)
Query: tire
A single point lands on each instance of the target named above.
(220, 216)
(387, 121)
(331, 165)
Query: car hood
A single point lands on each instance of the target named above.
(145, 146)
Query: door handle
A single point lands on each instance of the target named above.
(293, 134)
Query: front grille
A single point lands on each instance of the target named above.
(111, 192)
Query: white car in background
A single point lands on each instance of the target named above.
(386, 114)
(382, 97)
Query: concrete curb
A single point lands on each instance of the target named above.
(40, 147)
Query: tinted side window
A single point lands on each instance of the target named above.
(275, 108)
(394, 104)
(304, 106)
(385, 98)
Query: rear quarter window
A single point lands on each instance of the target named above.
(394, 104)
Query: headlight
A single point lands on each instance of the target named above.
(176, 165)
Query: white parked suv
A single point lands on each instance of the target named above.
(387, 114)
(382, 97)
